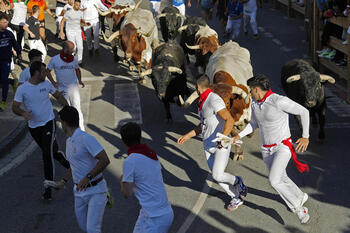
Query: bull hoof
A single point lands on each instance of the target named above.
(238, 157)
(125, 62)
(132, 68)
(142, 81)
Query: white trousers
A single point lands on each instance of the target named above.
(217, 160)
(155, 8)
(72, 96)
(92, 32)
(77, 39)
(250, 18)
(276, 159)
(39, 45)
(89, 211)
(159, 224)
(234, 26)
(59, 18)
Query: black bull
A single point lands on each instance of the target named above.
(169, 74)
(170, 21)
(304, 85)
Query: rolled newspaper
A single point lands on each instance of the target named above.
(225, 140)
(51, 184)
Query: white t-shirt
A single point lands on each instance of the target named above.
(73, 18)
(36, 99)
(91, 13)
(211, 122)
(25, 75)
(65, 72)
(81, 149)
(249, 7)
(271, 116)
(19, 13)
(67, 7)
(147, 176)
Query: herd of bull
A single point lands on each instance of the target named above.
(228, 66)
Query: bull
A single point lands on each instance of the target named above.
(229, 69)
(303, 84)
(207, 43)
(170, 21)
(168, 75)
(138, 34)
(188, 32)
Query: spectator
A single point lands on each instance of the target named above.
(59, 7)
(88, 160)
(18, 20)
(5, 6)
(249, 16)
(43, 7)
(74, 19)
(90, 15)
(235, 15)
(34, 95)
(142, 169)
(34, 55)
(66, 8)
(32, 27)
(207, 8)
(8, 42)
(68, 75)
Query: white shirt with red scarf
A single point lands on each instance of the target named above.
(271, 116)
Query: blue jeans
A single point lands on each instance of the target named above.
(5, 68)
(160, 224)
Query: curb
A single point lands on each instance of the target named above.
(12, 140)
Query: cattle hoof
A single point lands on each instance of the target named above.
(132, 68)
(142, 81)
(125, 62)
(238, 157)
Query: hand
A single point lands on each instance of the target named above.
(62, 35)
(60, 184)
(236, 138)
(302, 144)
(189, 4)
(88, 24)
(183, 139)
(82, 84)
(83, 184)
(27, 115)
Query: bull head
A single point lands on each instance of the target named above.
(239, 91)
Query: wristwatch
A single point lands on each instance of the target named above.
(89, 176)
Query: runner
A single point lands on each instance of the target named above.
(249, 16)
(88, 160)
(59, 8)
(33, 55)
(270, 113)
(215, 118)
(18, 20)
(34, 95)
(142, 175)
(235, 14)
(68, 75)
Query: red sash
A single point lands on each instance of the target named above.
(267, 94)
(66, 57)
(203, 97)
(300, 166)
(144, 150)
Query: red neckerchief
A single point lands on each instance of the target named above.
(267, 94)
(144, 150)
(66, 57)
(203, 97)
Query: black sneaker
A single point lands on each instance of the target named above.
(47, 195)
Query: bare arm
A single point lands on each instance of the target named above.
(226, 116)
(78, 73)
(62, 13)
(127, 188)
(49, 76)
(62, 27)
(50, 13)
(196, 131)
(16, 109)
(60, 98)
(26, 29)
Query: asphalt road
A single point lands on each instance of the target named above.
(108, 102)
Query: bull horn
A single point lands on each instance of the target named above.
(241, 92)
(103, 13)
(137, 5)
(161, 15)
(190, 99)
(192, 46)
(112, 37)
(182, 28)
(146, 72)
(174, 69)
(293, 78)
(180, 15)
(146, 34)
(328, 78)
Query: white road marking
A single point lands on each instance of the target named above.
(85, 96)
(337, 105)
(261, 29)
(286, 49)
(197, 207)
(268, 34)
(276, 41)
(127, 103)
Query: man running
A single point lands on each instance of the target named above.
(270, 114)
(34, 94)
(215, 118)
(74, 19)
(33, 55)
(88, 160)
(68, 75)
(142, 175)
(235, 15)
(249, 17)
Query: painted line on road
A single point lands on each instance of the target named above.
(127, 103)
(276, 41)
(198, 206)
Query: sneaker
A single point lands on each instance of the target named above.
(331, 54)
(15, 85)
(47, 195)
(345, 42)
(303, 215)
(243, 189)
(324, 53)
(234, 204)
(110, 201)
(2, 106)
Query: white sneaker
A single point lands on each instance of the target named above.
(345, 42)
(303, 215)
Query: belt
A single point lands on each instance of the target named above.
(300, 166)
(94, 183)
